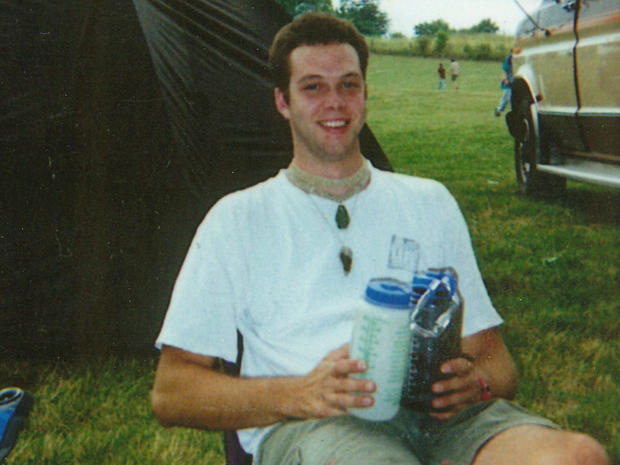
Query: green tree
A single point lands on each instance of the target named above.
(422, 46)
(297, 7)
(303, 6)
(365, 15)
(478, 52)
(441, 41)
(486, 25)
(432, 28)
(288, 5)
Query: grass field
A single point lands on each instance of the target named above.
(552, 269)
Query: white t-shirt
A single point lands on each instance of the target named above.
(265, 261)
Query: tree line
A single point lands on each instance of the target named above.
(364, 14)
(371, 21)
(433, 28)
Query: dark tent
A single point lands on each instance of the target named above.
(120, 127)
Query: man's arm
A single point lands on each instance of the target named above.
(490, 360)
(190, 392)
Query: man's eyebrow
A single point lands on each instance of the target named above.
(312, 77)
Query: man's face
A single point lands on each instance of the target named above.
(326, 107)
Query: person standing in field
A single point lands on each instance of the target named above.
(441, 72)
(455, 72)
(506, 84)
(284, 263)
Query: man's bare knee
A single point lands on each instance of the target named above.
(588, 451)
(537, 445)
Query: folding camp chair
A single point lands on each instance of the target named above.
(235, 455)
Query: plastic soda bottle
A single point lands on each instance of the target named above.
(381, 337)
(436, 323)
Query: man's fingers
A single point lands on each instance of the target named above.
(346, 401)
(454, 402)
(457, 366)
(337, 403)
(466, 397)
(342, 364)
(352, 385)
(339, 353)
(468, 382)
(332, 391)
(344, 367)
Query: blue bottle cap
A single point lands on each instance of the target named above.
(389, 293)
(445, 274)
(420, 283)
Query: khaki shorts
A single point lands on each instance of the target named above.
(411, 438)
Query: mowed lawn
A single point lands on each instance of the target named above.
(551, 267)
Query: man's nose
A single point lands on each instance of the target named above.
(335, 99)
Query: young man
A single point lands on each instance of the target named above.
(285, 263)
(506, 84)
(455, 72)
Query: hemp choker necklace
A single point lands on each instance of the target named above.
(325, 187)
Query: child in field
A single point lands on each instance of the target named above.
(441, 71)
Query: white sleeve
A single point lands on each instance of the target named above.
(479, 311)
(201, 317)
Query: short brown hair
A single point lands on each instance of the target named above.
(312, 29)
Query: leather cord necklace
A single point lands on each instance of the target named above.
(325, 187)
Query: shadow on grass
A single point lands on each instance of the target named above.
(594, 205)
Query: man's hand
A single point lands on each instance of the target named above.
(461, 390)
(328, 390)
(491, 360)
(190, 392)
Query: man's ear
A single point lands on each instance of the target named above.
(281, 103)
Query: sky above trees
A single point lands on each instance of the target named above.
(459, 14)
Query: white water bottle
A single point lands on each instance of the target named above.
(381, 338)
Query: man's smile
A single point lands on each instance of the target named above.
(336, 123)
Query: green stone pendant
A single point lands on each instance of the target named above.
(346, 257)
(342, 217)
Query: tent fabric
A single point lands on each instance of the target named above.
(35, 101)
(120, 125)
(88, 180)
(211, 60)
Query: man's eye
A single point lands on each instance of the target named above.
(312, 87)
(350, 84)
